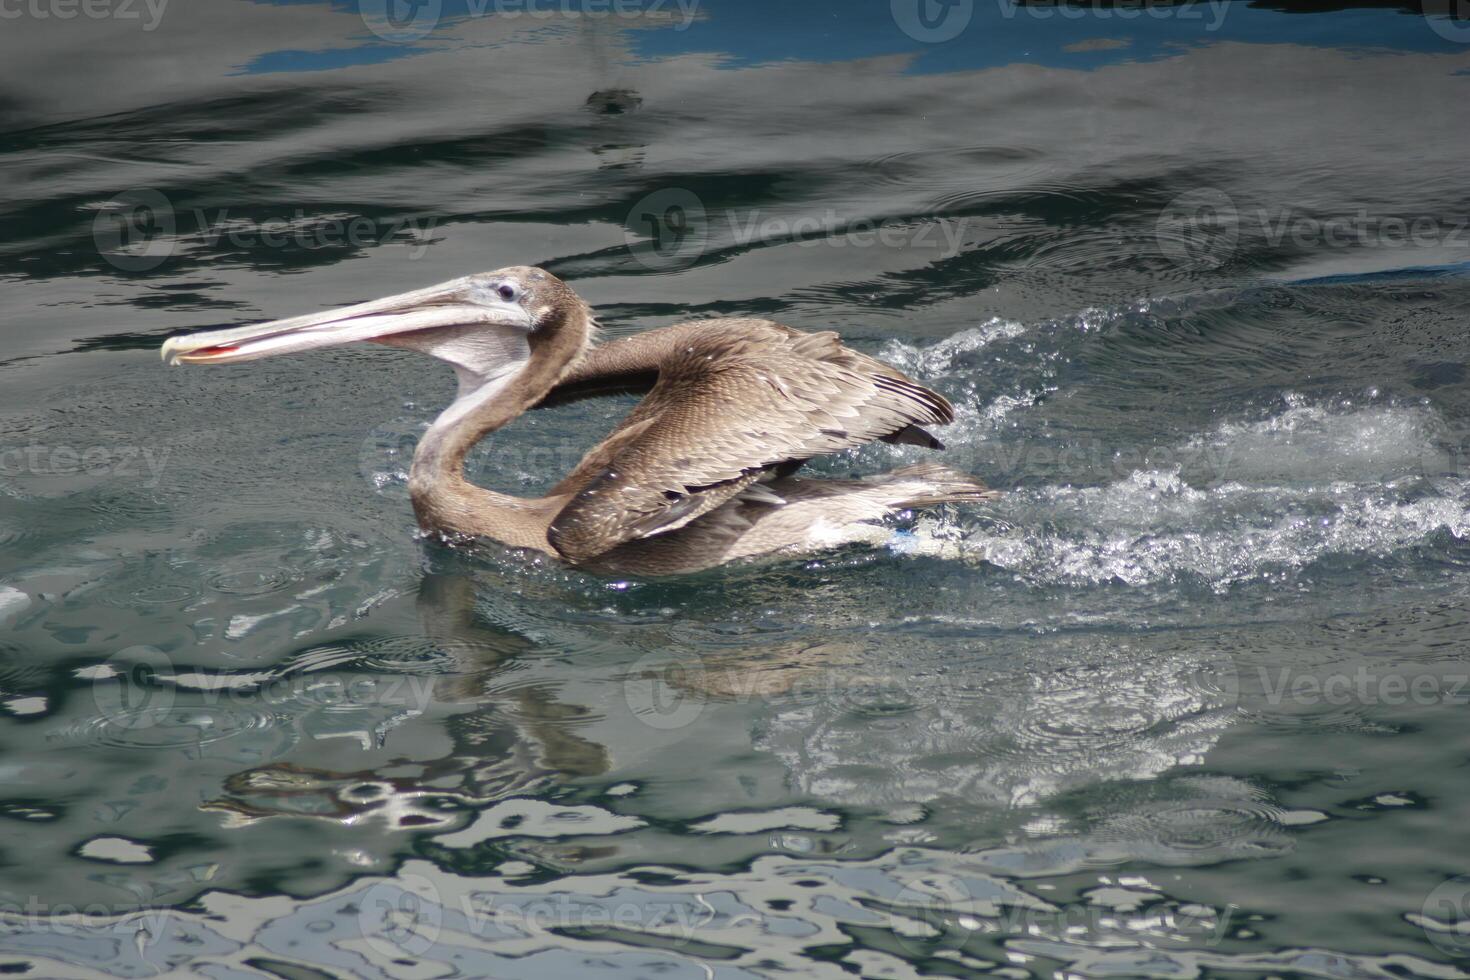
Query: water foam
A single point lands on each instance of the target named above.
(1256, 497)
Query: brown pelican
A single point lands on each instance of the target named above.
(698, 474)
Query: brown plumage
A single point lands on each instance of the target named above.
(699, 473)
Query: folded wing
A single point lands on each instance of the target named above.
(733, 400)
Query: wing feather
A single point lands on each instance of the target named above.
(733, 399)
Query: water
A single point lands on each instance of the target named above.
(1189, 700)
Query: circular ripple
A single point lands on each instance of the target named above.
(121, 509)
(1063, 730)
(1342, 718)
(177, 726)
(418, 654)
(1200, 831)
(251, 581)
(163, 594)
(153, 594)
(1078, 722)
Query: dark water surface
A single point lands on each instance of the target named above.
(1190, 700)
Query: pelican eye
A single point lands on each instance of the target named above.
(508, 292)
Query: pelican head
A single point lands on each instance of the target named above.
(485, 325)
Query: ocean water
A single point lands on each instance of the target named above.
(1188, 700)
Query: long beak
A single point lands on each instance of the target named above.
(468, 301)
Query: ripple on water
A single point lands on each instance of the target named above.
(1010, 736)
(1152, 528)
(988, 168)
(121, 509)
(251, 581)
(1149, 716)
(11, 534)
(414, 654)
(1302, 697)
(124, 592)
(400, 654)
(244, 732)
(17, 672)
(1197, 831)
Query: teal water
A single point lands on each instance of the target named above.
(1190, 700)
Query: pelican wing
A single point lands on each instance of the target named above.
(733, 399)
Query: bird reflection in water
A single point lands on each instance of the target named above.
(516, 739)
